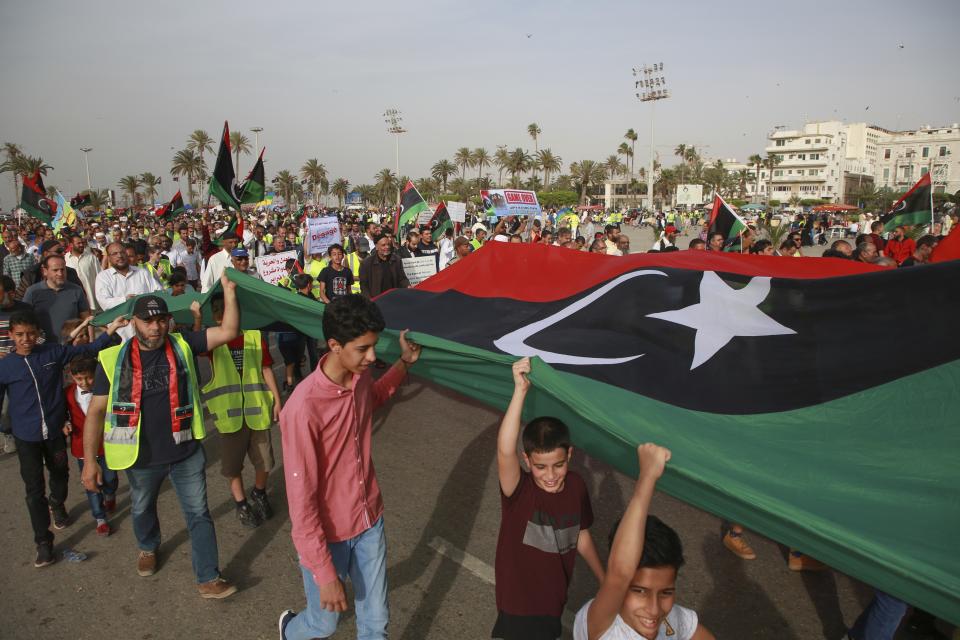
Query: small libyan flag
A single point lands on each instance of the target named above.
(253, 190)
(915, 207)
(223, 182)
(80, 200)
(235, 227)
(411, 205)
(440, 222)
(172, 208)
(34, 200)
(724, 221)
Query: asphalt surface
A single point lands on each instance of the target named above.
(434, 452)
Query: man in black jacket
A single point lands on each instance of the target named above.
(382, 269)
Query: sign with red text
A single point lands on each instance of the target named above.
(510, 202)
(321, 233)
(272, 267)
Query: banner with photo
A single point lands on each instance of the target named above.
(509, 202)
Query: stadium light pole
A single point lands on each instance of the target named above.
(256, 134)
(650, 85)
(393, 119)
(86, 163)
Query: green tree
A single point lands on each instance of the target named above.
(130, 184)
(464, 159)
(534, 131)
(240, 144)
(187, 163)
(518, 162)
(631, 137)
(316, 174)
(99, 198)
(11, 153)
(286, 183)
(501, 159)
(386, 183)
(442, 170)
(340, 188)
(368, 193)
(756, 161)
(613, 166)
(550, 163)
(587, 173)
(480, 159)
(149, 183)
(200, 143)
(681, 152)
(771, 161)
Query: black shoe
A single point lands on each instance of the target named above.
(261, 504)
(247, 516)
(60, 517)
(285, 619)
(45, 555)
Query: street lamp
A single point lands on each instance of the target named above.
(256, 133)
(86, 163)
(393, 119)
(650, 85)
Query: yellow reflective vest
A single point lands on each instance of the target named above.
(314, 269)
(352, 260)
(234, 399)
(122, 453)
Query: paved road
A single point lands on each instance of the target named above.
(434, 453)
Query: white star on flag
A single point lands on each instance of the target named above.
(724, 313)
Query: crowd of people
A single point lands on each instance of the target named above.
(130, 398)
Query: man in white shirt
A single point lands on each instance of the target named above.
(218, 262)
(82, 260)
(122, 281)
(668, 239)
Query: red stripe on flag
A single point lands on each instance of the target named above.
(561, 273)
(948, 248)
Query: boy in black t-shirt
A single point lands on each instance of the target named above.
(335, 279)
(545, 515)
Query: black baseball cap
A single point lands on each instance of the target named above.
(149, 306)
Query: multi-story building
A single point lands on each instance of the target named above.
(905, 156)
(825, 160)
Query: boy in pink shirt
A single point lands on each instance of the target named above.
(335, 505)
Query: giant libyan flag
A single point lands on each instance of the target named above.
(915, 207)
(411, 204)
(849, 456)
(223, 182)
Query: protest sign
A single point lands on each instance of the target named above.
(321, 233)
(457, 211)
(419, 269)
(510, 202)
(425, 217)
(274, 266)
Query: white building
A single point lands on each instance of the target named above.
(824, 160)
(905, 156)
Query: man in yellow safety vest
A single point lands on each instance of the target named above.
(243, 400)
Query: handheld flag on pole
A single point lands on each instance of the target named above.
(65, 214)
(915, 207)
(80, 200)
(724, 221)
(411, 205)
(172, 208)
(253, 189)
(223, 182)
(34, 200)
(440, 222)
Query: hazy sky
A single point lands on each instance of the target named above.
(133, 79)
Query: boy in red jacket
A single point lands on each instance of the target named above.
(78, 395)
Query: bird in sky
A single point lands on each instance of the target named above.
(529, 35)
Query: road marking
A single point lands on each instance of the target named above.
(481, 569)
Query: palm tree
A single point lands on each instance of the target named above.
(550, 163)
(368, 193)
(518, 161)
(99, 198)
(480, 159)
(501, 159)
(316, 174)
(30, 165)
(130, 184)
(631, 137)
(442, 170)
(429, 188)
(149, 183)
(534, 130)
(681, 152)
(742, 176)
(464, 158)
(199, 142)
(386, 184)
(12, 151)
(340, 188)
(586, 173)
(188, 164)
(756, 161)
(769, 163)
(613, 166)
(286, 183)
(240, 144)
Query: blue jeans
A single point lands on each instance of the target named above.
(107, 490)
(364, 560)
(190, 483)
(879, 621)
